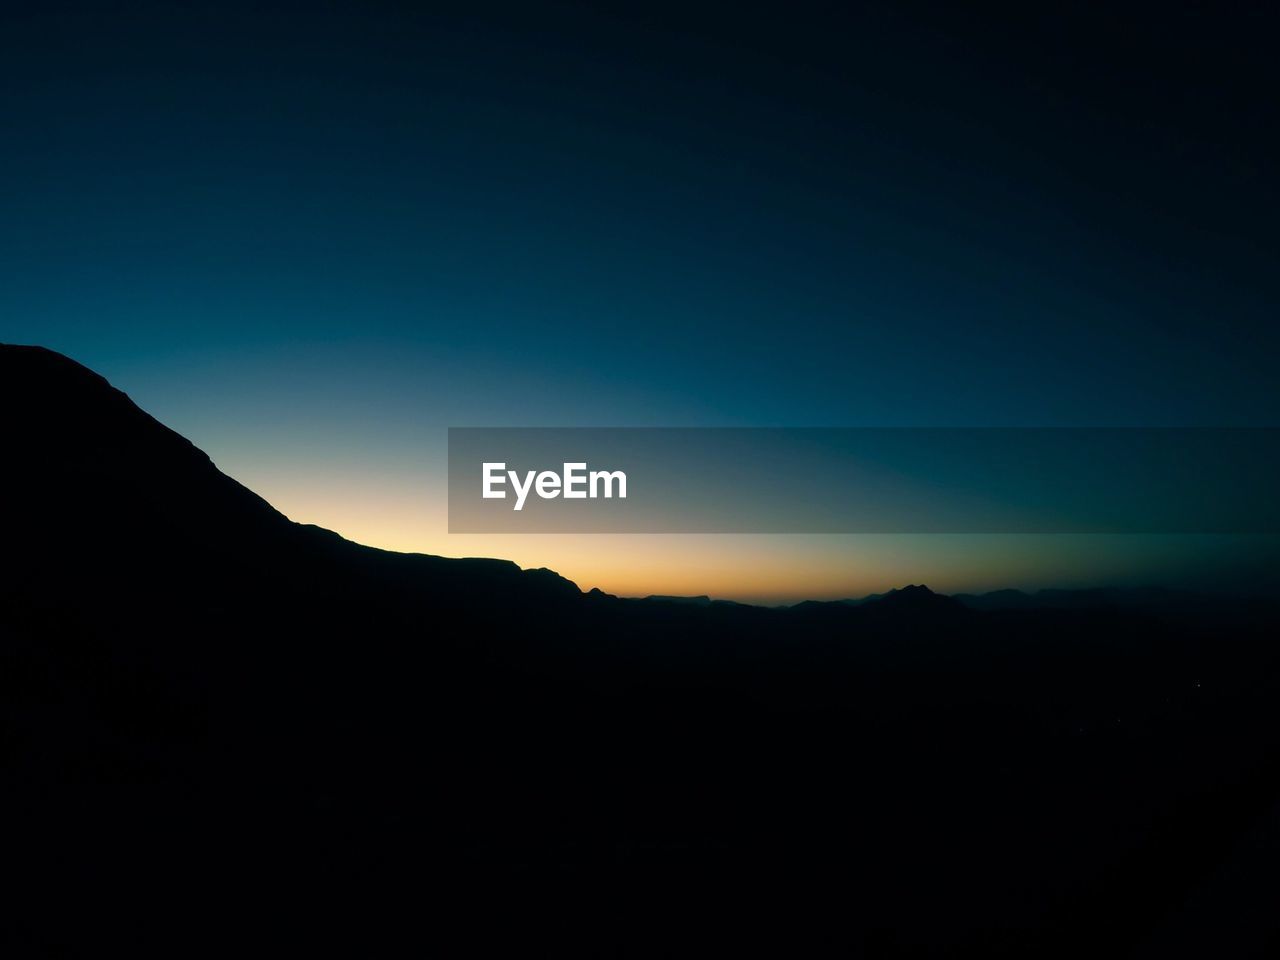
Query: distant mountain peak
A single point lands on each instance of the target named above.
(913, 597)
(912, 590)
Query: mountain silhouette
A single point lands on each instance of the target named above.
(914, 597)
(221, 726)
(99, 480)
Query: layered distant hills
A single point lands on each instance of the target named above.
(222, 727)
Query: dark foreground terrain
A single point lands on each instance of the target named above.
(223, 731)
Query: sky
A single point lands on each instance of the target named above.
(312, 237)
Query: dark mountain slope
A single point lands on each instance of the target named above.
(220, 727)
(97, 483)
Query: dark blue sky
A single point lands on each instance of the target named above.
(345, 222)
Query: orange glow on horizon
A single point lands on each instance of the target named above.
(383, 511)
